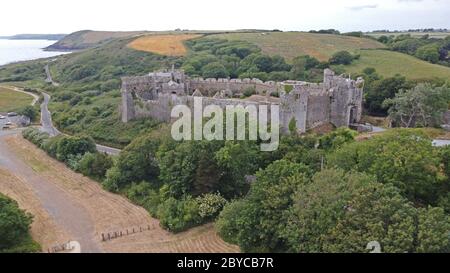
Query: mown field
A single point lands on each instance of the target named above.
(12, 101)
(293, 44)
(169, 45)
(389, 63)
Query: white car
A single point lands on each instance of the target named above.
(8, 123)
(2, 117)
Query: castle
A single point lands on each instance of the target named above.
(338, 100)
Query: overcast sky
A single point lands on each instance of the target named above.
(52, 16)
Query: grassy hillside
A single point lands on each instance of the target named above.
(12, 101)
(87, 39)
(388, 63)
(293, 44)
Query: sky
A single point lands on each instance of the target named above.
(53, 16)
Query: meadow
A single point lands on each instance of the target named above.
(389, 63)
(13, 101)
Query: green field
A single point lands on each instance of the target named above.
(389, 63)
(12, 101)
(293, 44)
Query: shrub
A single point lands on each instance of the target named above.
(210, 205)
(342, 57)
(179, 215)
(29, 111)
(14, 226)
(249, 92)
(143, 194)
(95, 165)
(74, 145)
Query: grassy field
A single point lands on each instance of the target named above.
(293, 44)
(168, 45)
(439, 35)
(389, 63)
(12, 101)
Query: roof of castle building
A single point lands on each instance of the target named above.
(197, 93)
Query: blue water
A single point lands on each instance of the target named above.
(24, 50)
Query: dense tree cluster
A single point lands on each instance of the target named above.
(389, 189)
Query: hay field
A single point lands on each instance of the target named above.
(168, 45)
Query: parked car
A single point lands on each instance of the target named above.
(2, 117)
(8, 123)
(12, 114)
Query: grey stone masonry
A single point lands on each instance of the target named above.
(337, 100)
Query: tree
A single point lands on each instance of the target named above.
(214, 70)
(301, 65)
(189, 167)
(69, 146)
(95, 165)
(403, 158)
(14, 226)
(378, 90)
(342, 57)
(256, 221)
(343, 212)
(263, 63)
(137, 162)
(29, 111)
(429, 53)
(421, 106)
(236, 160)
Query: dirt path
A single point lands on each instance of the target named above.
(79, 208)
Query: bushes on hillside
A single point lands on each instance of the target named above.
(14, 228)
(94, 165)
(78, 152)
(342, 57)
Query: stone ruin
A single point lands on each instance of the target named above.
(337, 100)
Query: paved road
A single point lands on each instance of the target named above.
(47, 126)
(49, 76)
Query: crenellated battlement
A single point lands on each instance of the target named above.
(337, 100)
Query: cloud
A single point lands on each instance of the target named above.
(363, 7)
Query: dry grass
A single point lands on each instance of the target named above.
(169, 45)
(110, 212)
(44, 230)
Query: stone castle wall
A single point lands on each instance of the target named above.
(337, 100)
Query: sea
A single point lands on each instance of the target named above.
(24, 50)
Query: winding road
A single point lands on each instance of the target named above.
(47, 126)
